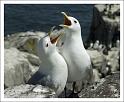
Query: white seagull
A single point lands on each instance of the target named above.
(76, 56)
(96, 45)
(53, 71)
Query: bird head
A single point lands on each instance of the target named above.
(70, 23)
(46, 46)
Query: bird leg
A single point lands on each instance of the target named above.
(73, 95)
(74, 83)
(65, 91)
(83, 86)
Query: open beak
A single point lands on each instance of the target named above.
(56, 39)
(67, 22)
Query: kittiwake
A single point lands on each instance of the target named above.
(76, 56)
(53, 71)
(96, 45)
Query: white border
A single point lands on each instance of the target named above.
(62, 99)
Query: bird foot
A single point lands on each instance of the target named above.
(73, 95)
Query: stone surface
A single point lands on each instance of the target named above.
(108, 87)
(29, 91)
(113, 59)
(97, 59)
(17, 67)
(24, 41)
(105, 64)
(96, 75)
(105, 25)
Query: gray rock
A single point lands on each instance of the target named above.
(29, 91)
(105, 24)
(105, 64)
(33, 59)
(96, 75)
(24, 41)
(17, 67)
(113, 59)
(97, 59)
(109, 87)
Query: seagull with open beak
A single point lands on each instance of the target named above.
(53, 71)
(76, 56)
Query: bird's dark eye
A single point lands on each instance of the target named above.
(75, 21)
(47, 45)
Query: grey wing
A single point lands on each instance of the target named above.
(35, 78)
(41, 79)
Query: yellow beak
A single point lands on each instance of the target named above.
(56, 39)
(67, 22)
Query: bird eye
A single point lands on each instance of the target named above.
(75, 21)
(47, 45)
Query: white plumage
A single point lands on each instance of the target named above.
(53, 70)
(76, 56)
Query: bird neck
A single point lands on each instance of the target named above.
(49, 57)
(73, 34)
(74, 37)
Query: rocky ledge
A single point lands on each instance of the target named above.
(29, 91)
(108, 87)
(21, 62)
(105, 25)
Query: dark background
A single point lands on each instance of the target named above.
(41, 17)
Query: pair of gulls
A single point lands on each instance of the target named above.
(72, 63)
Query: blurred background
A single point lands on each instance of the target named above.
(26, 17)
